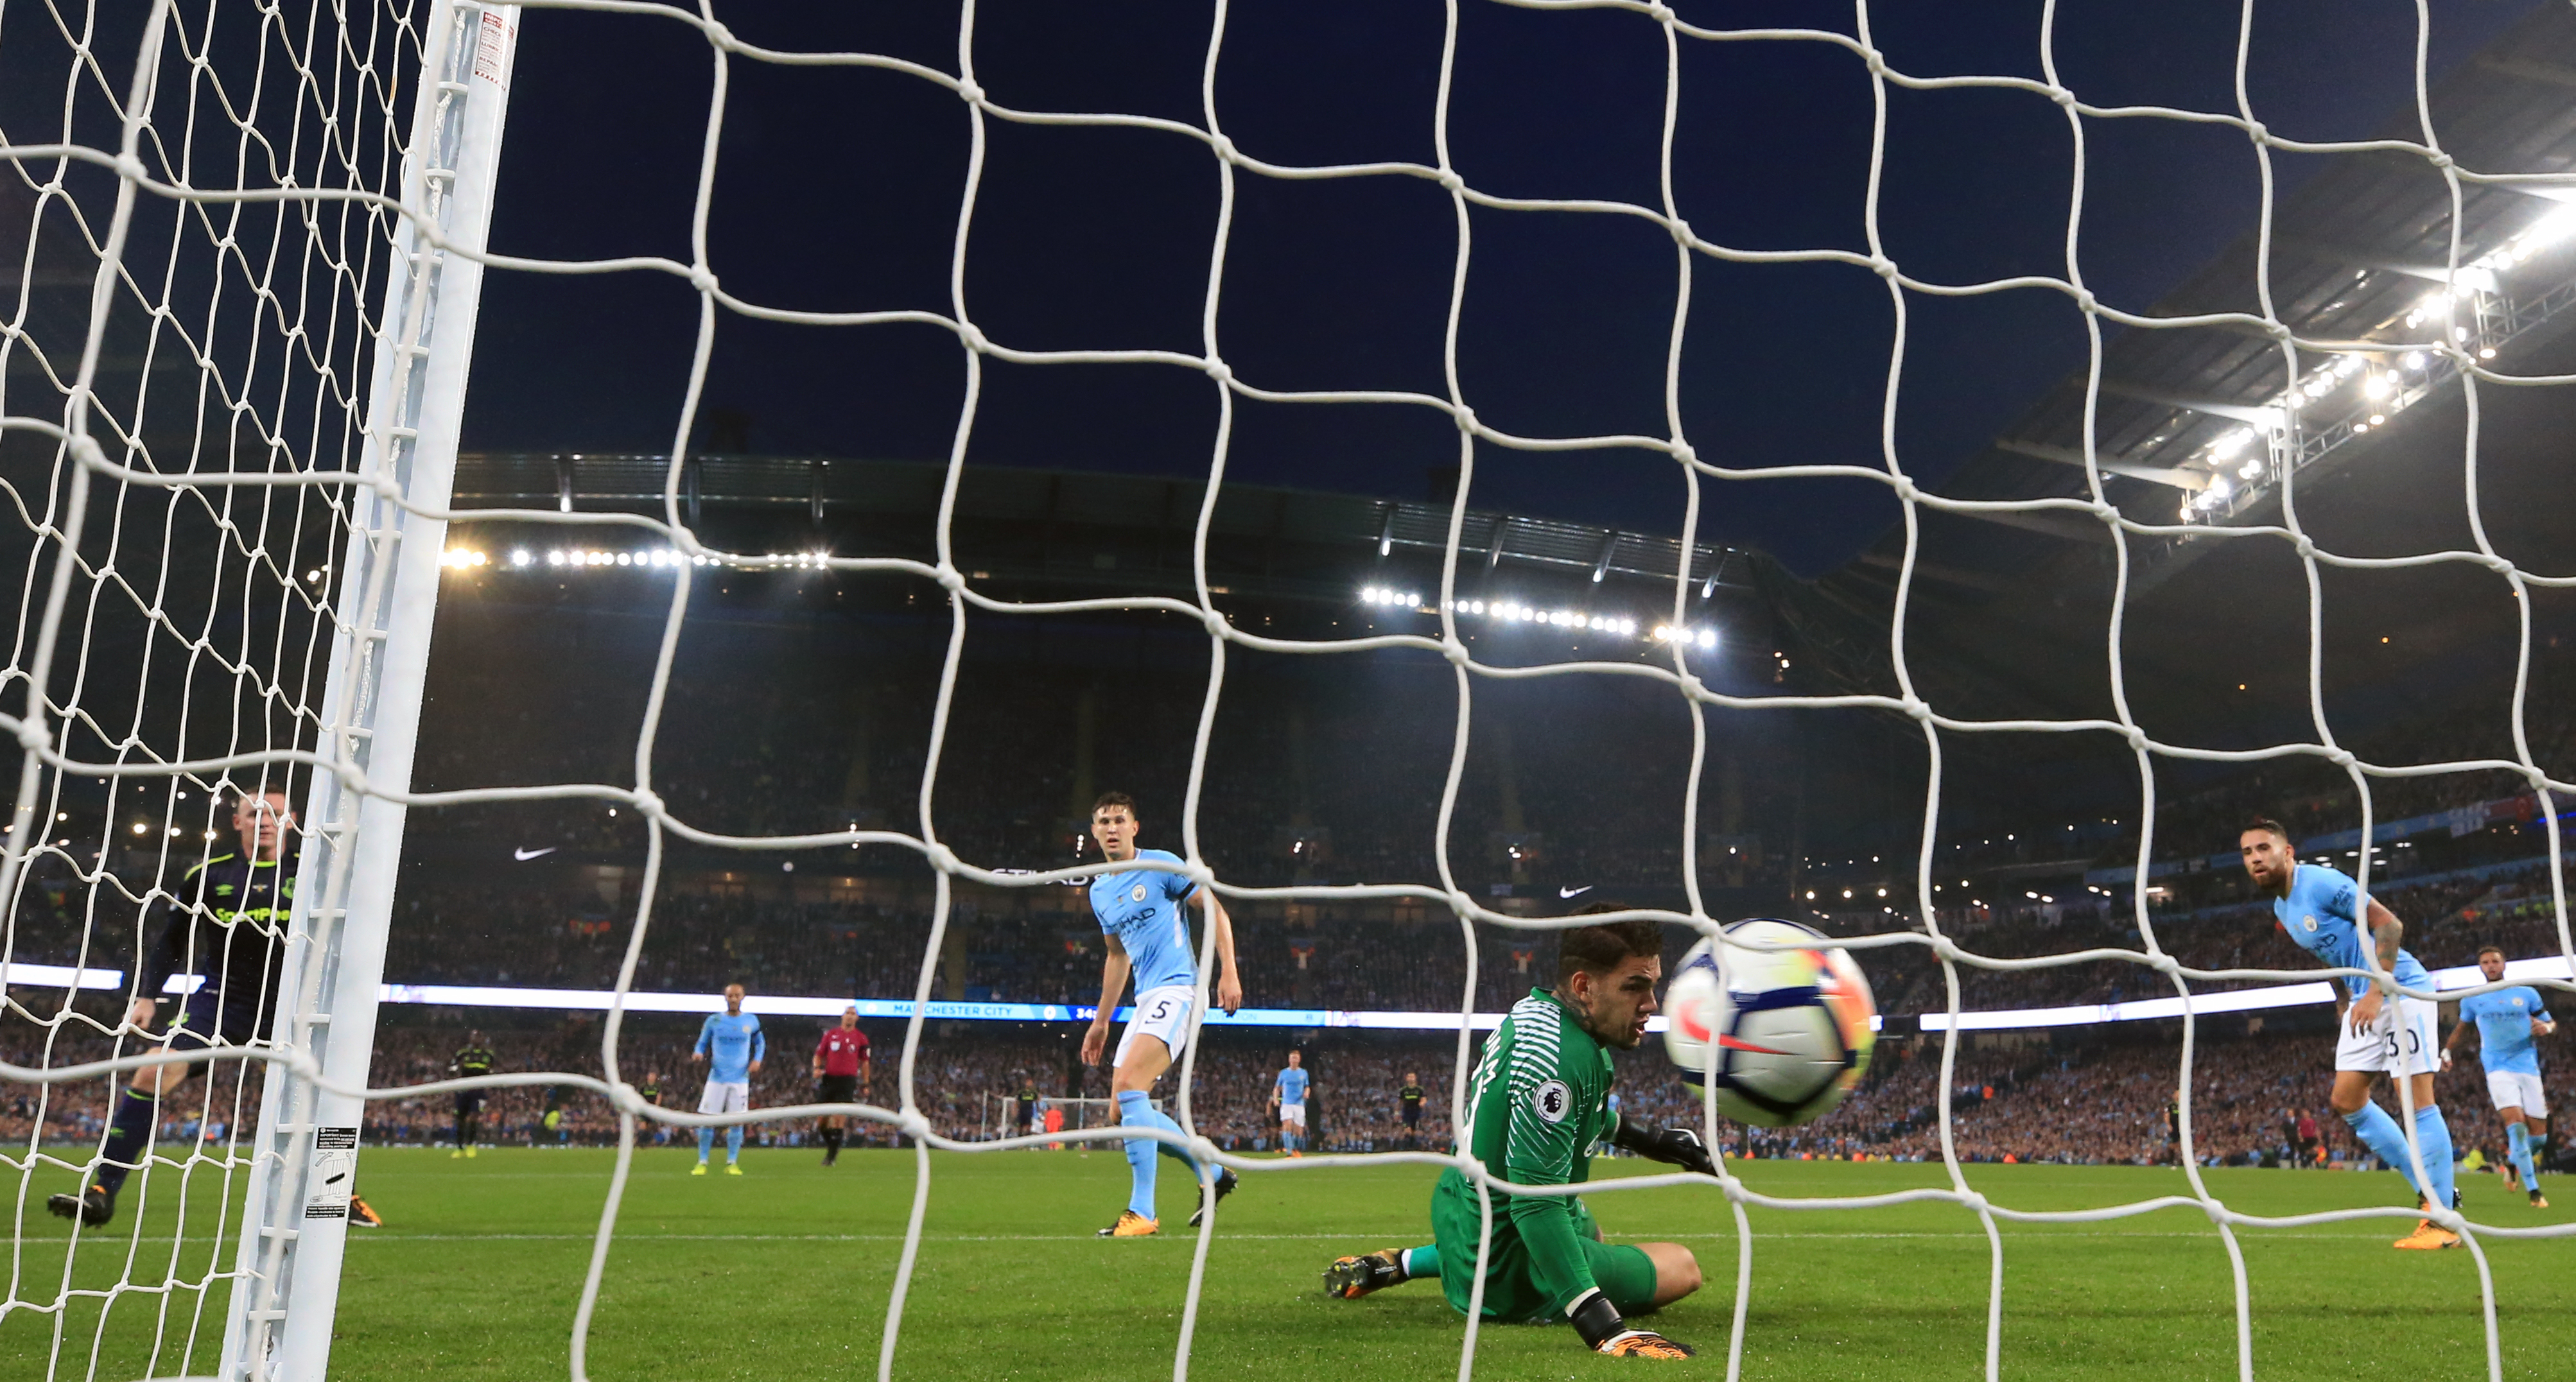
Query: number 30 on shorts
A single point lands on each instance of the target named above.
(2414, 1042)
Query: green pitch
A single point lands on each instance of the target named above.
(784, 1273)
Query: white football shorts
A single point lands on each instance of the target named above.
(726, 1096)
(1293, 1113)
(2518, 1089)
(2401, 1042)
(1163, 1013)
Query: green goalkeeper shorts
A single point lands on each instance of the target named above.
(1512, 1293)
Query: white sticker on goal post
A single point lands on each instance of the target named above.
(492, 47)
(335, 1173)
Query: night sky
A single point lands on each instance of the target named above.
(837, 189)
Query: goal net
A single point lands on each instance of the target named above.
(249, 244)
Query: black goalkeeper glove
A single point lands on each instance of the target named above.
(1674, 1146)
(1597, 1320)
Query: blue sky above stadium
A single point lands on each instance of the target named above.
(837, 189)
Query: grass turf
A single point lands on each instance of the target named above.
(785, 1272)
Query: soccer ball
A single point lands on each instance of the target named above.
(1791, 1028)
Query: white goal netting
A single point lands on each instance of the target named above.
(234, 229)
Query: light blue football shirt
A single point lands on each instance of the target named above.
(2504, 1020)
(2323, 915)
(1142, 908)
(731, 1042)
(1292, 1085)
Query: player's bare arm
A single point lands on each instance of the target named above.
(1229, 984)
(1113, 985)
(2387, 935)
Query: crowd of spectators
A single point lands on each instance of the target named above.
(2447, 916)
(1308, 778)
(1359, 956)
(2098, 1098)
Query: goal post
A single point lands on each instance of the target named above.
(295, 1223)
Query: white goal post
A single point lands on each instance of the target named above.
(304, 1158)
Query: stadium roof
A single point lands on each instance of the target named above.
(2006, 607)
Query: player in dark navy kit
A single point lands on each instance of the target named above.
(1410, 1098)
(474, 1059)
(227, 923)
(840, 1076)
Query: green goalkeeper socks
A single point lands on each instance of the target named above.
(1420, 1263)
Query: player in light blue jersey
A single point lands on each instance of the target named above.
(2507, 1020)
(1141, 914)
(731, 1046)
(2326, 914)
(1288, 1095)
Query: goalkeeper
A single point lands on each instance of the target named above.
(1539, 1102)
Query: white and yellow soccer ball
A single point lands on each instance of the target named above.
(1783, 1036)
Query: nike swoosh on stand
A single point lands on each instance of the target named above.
(524, 855)
(1575, 892)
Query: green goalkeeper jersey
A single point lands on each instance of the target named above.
(1540, 1100)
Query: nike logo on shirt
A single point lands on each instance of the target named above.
(1574, 892)
(524, 855)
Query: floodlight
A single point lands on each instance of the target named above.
(2549, 229)
(2413, 359)
(2377, 386)
(1708, 638)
